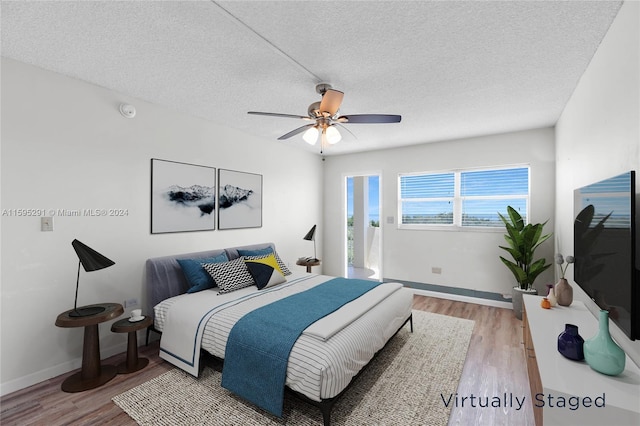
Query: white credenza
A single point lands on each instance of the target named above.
(556, 380)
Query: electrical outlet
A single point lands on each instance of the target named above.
(131, 303)
(436, 270)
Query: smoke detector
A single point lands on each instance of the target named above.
(127, 111)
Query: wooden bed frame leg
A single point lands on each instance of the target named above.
(149, 330)
(326, 413)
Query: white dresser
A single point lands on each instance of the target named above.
(556, 380)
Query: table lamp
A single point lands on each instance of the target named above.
(309, 237)
(91, 260)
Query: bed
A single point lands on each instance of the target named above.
(324, 358)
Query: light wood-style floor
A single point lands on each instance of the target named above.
(495, 366)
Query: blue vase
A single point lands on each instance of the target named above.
(601, 352)
(570, 343)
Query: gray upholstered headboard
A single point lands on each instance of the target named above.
(165, 279)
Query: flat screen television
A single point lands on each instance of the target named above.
(605, 249)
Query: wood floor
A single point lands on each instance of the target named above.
(495, 366)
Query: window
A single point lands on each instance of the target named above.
(427, 199)
(462, 198)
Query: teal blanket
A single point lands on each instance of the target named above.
(258, 347)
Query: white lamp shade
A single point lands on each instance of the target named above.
(333, 135)
(311, 136)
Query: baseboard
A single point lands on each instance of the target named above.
(460, 298)
(55, 371)
(459, 294)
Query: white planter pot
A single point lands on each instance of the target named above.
(516, 299)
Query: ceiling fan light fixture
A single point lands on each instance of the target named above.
(311, 136)
(324, 117)
(333, 135)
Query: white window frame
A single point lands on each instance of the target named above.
(458, 200)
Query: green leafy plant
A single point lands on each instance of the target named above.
(523, 241)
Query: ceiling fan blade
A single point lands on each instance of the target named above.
(296, 131)
(276, 114)
(331, 101)
(346, 130)
(369, 118)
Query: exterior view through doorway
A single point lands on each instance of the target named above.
(363, 234)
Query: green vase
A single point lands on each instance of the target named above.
(601, 352)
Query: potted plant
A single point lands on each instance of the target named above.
(523, 241)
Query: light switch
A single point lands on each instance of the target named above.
(46, 224)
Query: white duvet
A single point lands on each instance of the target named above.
(328, 354)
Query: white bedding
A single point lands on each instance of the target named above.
(326, 356)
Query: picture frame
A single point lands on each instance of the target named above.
(183, 197)
(239, 199)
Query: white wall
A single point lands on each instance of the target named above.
(598, 134)
(66, 146)
(468, 259)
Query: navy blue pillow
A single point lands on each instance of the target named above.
(255, 252)
(197, 277)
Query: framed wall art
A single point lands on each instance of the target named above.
(239, 200)
(183, 197)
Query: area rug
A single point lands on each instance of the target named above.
(404, 385)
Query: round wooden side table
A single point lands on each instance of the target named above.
(133, 363)
(92, 374)
(303, 261)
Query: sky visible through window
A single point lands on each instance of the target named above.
(483, 193)
(374, 197)
(429, 198)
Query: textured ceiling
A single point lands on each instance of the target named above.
(451, 69)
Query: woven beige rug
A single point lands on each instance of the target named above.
(401, 386)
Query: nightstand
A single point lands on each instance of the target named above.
(133, 363)
(92, 373)
(303, 261)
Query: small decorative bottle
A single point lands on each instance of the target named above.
(601, 352)
(570, 343)
(544, 303)
(551, 295)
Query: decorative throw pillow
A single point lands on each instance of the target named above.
(196, 276)
(263, 252)
(265, 270)
(255, 252)
(283, 268)
(281, 264)
(230, 276)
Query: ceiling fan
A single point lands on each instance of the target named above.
(324, 118)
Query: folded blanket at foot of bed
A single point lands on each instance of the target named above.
(259, 345)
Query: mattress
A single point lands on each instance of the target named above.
(319, 369)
